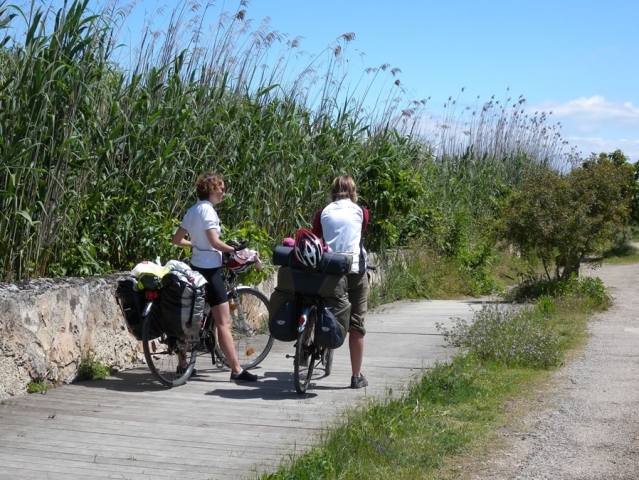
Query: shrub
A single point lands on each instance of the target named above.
(592, 290)
(418, 273)
(563, 218)
(515, 337)
(38, 386)
(91, 367)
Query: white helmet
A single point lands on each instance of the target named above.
(308, 248)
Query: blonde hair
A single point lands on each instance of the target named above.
(208, 183)
(343, 187)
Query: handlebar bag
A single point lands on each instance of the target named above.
(282, 321)
(182, 300)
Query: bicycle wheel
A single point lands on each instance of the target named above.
(162, 353)
(305, 355)
(249, 326)
(327, 360)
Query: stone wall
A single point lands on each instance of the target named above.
(46, 325)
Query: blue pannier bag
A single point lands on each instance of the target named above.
(328, 331)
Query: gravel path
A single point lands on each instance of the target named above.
(587, 426)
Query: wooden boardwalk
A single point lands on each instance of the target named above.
(129, 427)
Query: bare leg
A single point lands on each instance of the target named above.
(222, 316)
(356, 350)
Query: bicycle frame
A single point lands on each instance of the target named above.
(251, 349)
(308, 354)
(303, 318)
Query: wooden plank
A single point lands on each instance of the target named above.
(212, 439)
(22, 472)
(131, 465)
(262, 417)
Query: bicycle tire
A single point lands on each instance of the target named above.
(161, 353)
(249, 320)
(305, 355)
(328, 361)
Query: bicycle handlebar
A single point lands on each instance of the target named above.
(238, 246)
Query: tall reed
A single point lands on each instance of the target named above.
(101, 144)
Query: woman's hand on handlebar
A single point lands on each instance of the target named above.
(238, 246)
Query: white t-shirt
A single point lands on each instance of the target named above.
(197, 220)
(341, 223)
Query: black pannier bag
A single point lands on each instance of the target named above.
(283, 316)
(155, 321)
(331, 324)
(332, 288)
(131, 300)
(182, 300)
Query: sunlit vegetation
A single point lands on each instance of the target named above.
(101, 142)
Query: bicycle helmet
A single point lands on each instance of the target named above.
(308, 249)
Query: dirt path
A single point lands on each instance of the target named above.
(587, 425)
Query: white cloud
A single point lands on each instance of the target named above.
(591, 113)
(588, 145)
(594, 124)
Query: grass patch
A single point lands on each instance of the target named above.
(623, 251)
(454, 411)
(420, 273)
(91, 367)
(38, 386)
(585, 294)
(621, 255)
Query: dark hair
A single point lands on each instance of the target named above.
(208, 183)
(343, 187)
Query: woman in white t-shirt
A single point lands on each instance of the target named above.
(202, 225)
(341, 225)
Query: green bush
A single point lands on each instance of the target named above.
(91, 367)
(564, 217)
(592, 290)
(38, 386)
(515, 337)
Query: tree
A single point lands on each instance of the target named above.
(563, 218)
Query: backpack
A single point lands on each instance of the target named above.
(282, 321)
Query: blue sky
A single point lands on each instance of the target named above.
(578, 59)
